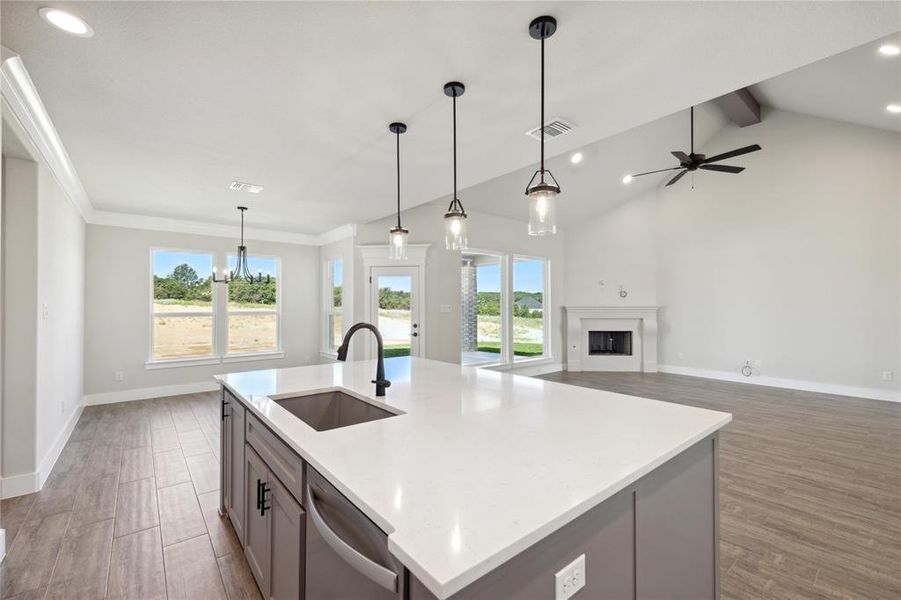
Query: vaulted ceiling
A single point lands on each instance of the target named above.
(169, 102)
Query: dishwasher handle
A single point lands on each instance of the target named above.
(370, 569)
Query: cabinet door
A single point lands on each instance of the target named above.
(257, 522)
(234, 423)
(287, 544)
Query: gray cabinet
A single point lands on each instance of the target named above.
(231, 456)
(274, 540)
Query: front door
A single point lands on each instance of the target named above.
(394, 309)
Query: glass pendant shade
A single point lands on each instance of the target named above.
(542, 217)
(397, 243)
(455, 230)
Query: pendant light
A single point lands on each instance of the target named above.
(543, 193)
(242, 266)
(455, 217)
(397, 236)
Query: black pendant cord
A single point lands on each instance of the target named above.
(692, 129)
(397, 135)
(454, 99)
(541, 124)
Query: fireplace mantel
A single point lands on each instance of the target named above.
(641, 320)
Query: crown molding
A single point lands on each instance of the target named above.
(24, 105)
(21, 98)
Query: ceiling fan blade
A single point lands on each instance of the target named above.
(731, 153)
(681, 156)
(677, 177)
(657, 171)
(723, 168)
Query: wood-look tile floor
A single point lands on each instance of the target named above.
(810, 486)
(129, 511)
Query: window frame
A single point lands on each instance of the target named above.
(277, 311)
(219, 313)
(328, 306)
(547, 352)
(507, 359)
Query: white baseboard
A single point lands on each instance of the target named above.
(2, 544)
(150, 392)
(57, 448)
(19, 485)
(28, 483)
(792, 384)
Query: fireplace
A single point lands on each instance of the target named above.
(602, 343)
(611, 338)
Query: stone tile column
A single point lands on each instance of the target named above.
(469, 324)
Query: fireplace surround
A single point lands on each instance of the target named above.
(611, 338)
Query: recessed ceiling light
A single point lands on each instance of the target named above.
(66, 21)
(576, 158)
(893, 108)
(627, 179)
(889, 50)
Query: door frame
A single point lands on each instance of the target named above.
(405, 271)
(376, 255)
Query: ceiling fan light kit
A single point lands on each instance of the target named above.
(455, 217)
(242, 264)
(691, 162)
(542, 193)
(397, 235)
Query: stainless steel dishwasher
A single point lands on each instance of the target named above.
(347, 554)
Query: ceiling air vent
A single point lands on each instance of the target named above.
(240, 186)
(553, 128)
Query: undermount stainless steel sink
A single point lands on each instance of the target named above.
(331, 410)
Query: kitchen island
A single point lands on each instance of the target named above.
(467, 483)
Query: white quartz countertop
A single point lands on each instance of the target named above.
(481, 465)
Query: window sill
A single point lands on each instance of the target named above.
(519, 364)
(235, 358)
(211, 360)
(181, 362)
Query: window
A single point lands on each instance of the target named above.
(502, 308)
(529, 316)
(253, 309)
(193, 319)
(333, 303)
(183, 321)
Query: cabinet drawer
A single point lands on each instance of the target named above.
(282, 461)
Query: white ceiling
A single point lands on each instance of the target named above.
(854, 86)
(169, 102)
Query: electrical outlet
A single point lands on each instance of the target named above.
(45, 311)
(888, 376)
(681, 355)
(62, 407)
(446, 308)
(119, 376)
(570, 579)
(757, 363)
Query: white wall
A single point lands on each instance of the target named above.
(117, 309)
(43, 255)
(60, 295)
(618, 248)
(19, 316)
(485, 232)
(794, 262)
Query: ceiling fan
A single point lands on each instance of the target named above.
(693, 162)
